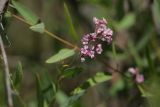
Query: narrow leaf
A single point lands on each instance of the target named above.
(98, 78)
(71, 72)
(18, 75)
(61, 98)
(27, 14)
(38, 28)
(65, 101)
(95, 80)
(151, 64)
(46, 89)
(70, 23)
(156, 14)
(144, 92)
(127, 21)
(40, 97)
(61, 55)
(73, 99)
(117, 86)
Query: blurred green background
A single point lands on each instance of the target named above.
(136, 26)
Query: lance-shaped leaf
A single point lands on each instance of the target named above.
(127, 21)
(61, 55)
(95, 80)
(61, 98)
(156, 14)
(70, 23)
(40, 97)
(46, 89)
(27, 14)
(65, 101)
(18, 75)
(70, 72)
(144, 93)
(38, 28)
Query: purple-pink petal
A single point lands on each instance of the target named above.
(139, 78)
(90, 42)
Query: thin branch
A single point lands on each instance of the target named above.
(6, 75)
(62, 40)
(49, 33)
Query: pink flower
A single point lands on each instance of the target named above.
(139, 78)
(98, 22)
(85, 39)
(99, 49)
(133, 71)
(87, 51)
(90, 42)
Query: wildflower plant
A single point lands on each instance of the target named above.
(91, 46)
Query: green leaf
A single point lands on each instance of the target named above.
(71, 72)
(8, 14)
(40, 97)
(61, 55)
(144, 92)
(65, 101)
(45, 104)
(70, 23)
(127, 21)
(97, 79)
(18, 75)
(38, 28)
(46, 89)
(117, 86)
(61, 98)
(27, 14)
(156, 14)
(73, 99)
(151, 65)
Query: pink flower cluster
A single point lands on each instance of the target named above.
(91, 42)
(139, 78)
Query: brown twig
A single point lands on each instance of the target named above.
(49, 33)
(6, 75)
